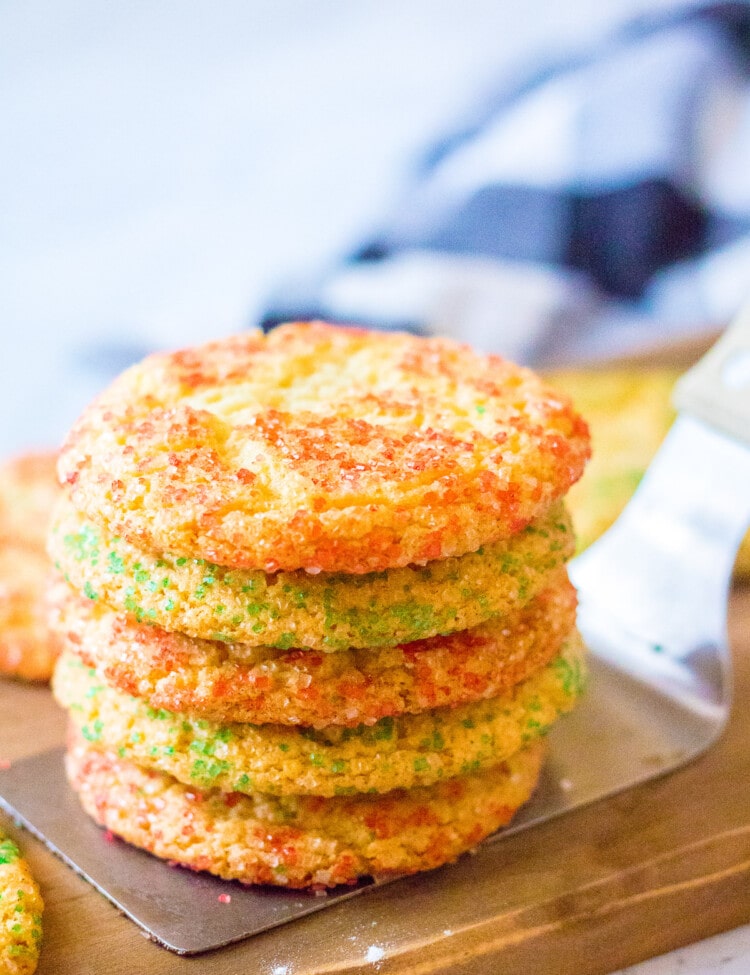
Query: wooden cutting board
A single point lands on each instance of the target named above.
(629, 877)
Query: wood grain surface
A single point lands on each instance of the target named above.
(649, 870)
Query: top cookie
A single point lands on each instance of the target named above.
(324, 448)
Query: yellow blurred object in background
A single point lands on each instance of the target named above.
(629, 411)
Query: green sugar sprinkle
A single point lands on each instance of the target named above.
(159, 713)
(571, 675)
(9, 852)
(203, 771)
(92, 732)
(203, 747)
(115, 564)
(383, 730)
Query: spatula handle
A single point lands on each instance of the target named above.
(717, 389)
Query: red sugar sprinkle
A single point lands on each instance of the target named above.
(109, 836)
(224, 898)
(4, 763)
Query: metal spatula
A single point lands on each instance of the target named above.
(653, 611)
(654, 588)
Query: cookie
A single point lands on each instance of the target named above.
(229, 682)
(327, 612)
(21, 909)
(27, 649)
(28, 490)
(299, 841)
(393, 753)
(322, 448)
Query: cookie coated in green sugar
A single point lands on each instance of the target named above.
(325, 612)
(224, 681)
(299, 841)
(21, 909)
(393, 753)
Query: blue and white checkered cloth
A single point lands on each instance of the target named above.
(598, 204)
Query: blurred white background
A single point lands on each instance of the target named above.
(166, 164)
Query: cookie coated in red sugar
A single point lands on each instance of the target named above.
(322, 448)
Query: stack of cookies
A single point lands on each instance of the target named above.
(313, 605)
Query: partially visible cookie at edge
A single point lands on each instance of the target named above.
(28, 491)
(21, 909)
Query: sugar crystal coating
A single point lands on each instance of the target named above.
(299, 841)
(323, 448)
(21, 909)
(225, 681)
(393, 753)
(328, 611)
